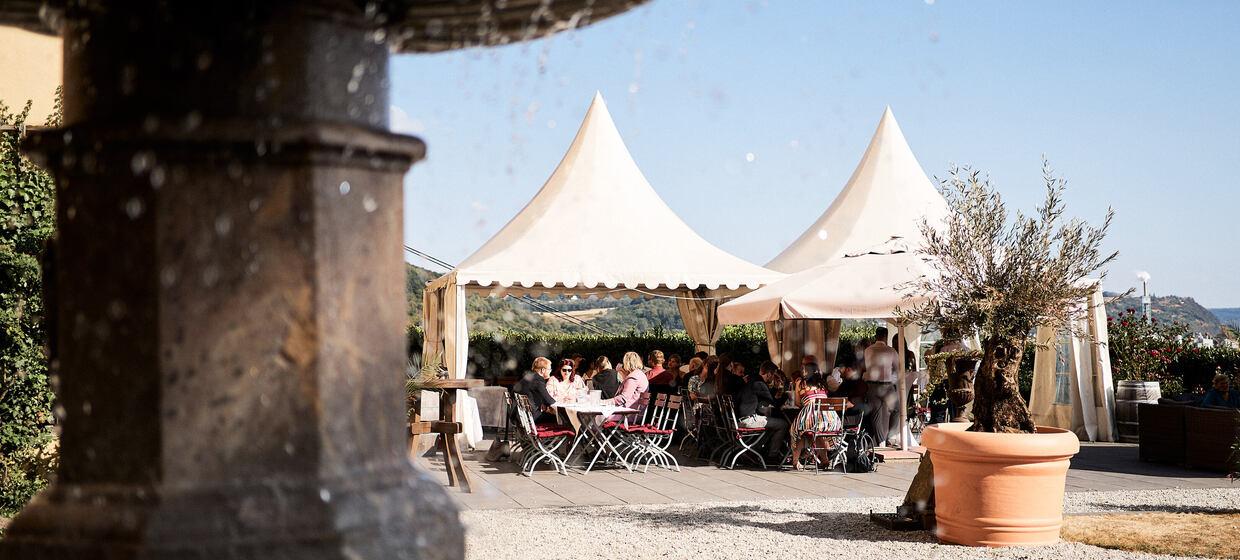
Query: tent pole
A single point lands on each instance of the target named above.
(900, 386)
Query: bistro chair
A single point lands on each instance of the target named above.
(742, 442)
(830, 443)
(540, 441)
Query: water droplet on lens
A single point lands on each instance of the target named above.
(369, 203)
(158, 176)
(223, 225)
(141, 161)
(345, 187)
(325, 495)
(134, 207)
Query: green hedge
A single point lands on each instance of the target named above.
(1195, 368)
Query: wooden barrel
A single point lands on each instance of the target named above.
(1129, 394)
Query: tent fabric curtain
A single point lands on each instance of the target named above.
(700, 316)
(446, 335)
(1072, 387)
(790, 340)
(432, 324)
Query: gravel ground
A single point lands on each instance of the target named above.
(784, 529)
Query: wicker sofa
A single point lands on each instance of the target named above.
(1196, 437)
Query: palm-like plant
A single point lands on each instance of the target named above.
(420, 377)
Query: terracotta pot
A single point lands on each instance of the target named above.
(999, 489)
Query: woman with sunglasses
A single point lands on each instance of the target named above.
(565, 382)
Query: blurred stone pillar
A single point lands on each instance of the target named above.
(229, 291)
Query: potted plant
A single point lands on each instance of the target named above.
(1000, 480)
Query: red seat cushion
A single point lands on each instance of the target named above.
(658, 432)
(750, 430)
(554, 430)
(610, 424)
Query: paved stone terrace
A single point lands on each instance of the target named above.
(1098, 467)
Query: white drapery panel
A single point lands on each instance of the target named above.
(699, 312)
(1072, 387)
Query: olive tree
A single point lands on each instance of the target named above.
(1000, 277)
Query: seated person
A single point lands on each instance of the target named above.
(566, 384)
(1222, 395)
(754, 404)
(605, 379)
(812, 421)
(702, 386)
(845, 381)
(660, 379)
(635, 384)
(534, 386)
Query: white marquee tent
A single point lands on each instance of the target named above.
(596, 228)
(846, 265)
(886, 199)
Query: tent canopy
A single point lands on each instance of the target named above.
(887, 197)
(869, 285)
(597, 227)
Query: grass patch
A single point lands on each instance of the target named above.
(1208, 535)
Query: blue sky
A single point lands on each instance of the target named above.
(1137, 104)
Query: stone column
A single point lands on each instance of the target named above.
(229, 291)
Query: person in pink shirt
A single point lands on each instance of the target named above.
(635, 384)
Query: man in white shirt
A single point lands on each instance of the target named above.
(881, 365)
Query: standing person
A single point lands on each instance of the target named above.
(635, 383)
(534, 386)
(754, 407)
(881, 363)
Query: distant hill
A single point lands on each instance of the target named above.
(1173, 308)
(617, 316)
(1229, 316)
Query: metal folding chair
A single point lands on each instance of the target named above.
(835, 447)
(743, 442)
(540, 442)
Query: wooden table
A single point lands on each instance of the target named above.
(447, 389)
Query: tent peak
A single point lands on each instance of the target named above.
(887, 196)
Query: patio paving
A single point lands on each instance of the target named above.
(497, 485)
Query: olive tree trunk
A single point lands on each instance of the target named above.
(997, 405)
